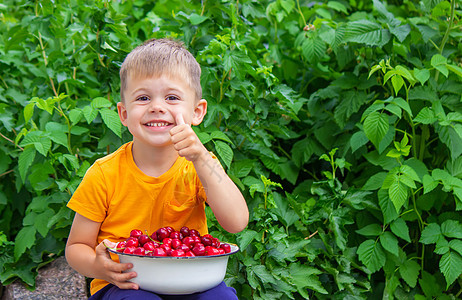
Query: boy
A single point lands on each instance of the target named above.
(161, 178)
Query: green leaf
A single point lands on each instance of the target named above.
(75, 115)
(397, 82)
(24, 240)
(337, 6)
(39, 139)
(452, 229)
(89, 113)
(313, 49)
(400, 229)
(366, 32)
(224, 151)
(351, 103)
(304, 277)
(375, 182)
(263, 273)
(389, 242)
(245, 238)
(197, 19)
(403, 104)
(25, 161)
(387, 207)
(451, 266)
(398, 193)
(375, 127)
(422, 75)
(358, 139)
(429, 183)
(438, 60)
(28, 111)
(456, 245)
(100, 102)
(431, 234)
(112, 120)
(370, 230)
(57, 133)
(401, 32)
(455, 69)
(372, 255)
(409, 271)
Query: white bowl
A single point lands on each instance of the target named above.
(170, 275)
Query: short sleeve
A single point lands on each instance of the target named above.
(90, 198)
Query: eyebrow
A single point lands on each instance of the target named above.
(146, 90)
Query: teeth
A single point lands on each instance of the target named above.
(157, 124)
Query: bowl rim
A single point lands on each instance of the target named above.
(177, 257)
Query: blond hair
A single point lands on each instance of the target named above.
(157, 57)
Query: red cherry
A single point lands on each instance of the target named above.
(162, 233)
(165, 247)
(177, 253)
(189, 253)
(207, 241)
(189, 241)
(132, 242)
(221, 250)
(121, 246)
(169, 229)
(215, 242)
(184, 231)
(159, 252)
(139, 251)
(129, 250)
(154, 236)
(226, 247)
(135, 233)
(176, 243)
(167, 241)
(209, 250)
(194, 232)
(143, 239)
(198, 249)
(150, 246)
(176, 235)
(183, 247)
(196, 238)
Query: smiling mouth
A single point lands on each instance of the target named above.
(157, 124)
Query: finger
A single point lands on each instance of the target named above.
(179, 119)
(101, 249)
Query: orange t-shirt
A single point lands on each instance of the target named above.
(116, 193)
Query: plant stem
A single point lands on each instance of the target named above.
(300, 12)
(446, 34)
(11, 141)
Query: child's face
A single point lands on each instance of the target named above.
(152, 104)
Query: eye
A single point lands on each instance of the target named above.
(172, 98)
(143, 98)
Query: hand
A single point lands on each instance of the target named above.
(185, 140)
(111, 271)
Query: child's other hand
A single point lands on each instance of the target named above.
(185, 140)
(111, 271)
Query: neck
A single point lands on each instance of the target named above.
(153, 161)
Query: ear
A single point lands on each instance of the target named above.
(122, 113)
(199, 112)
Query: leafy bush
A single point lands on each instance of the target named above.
(339, 120)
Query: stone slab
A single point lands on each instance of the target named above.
(54, 281)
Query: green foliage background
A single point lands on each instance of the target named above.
(339, 120)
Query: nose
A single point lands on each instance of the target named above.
(156, 106)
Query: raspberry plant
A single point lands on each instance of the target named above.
(339, 120)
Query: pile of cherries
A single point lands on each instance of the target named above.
(165, 241)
